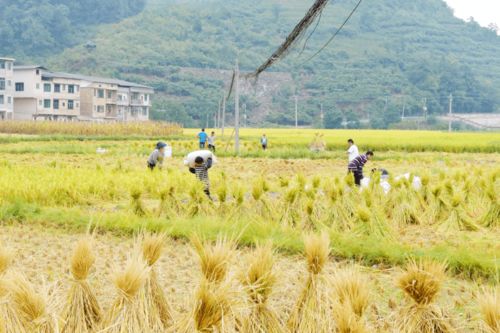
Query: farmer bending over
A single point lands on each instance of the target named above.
(357, 164)
(157, 156)
(201, 171)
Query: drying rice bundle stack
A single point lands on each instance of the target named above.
(214, 258)
(32, 307)
(352, 296)
(492, 217)
(404, 208)
(213, 307)
(160, 312)
(258, 280)
(129, 313)
(82, 312)
(458, 217)
(489, 303)
(136, 203)
(311, 313)
(9, 320)
(422, 282)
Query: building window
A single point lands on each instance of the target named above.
(37, 72)
(46, 103)
(100, 93)
(1, 100)
(19, 86)
(100, 108)
(56, 104)
(2, 64)
(70, 104)
(9, 100)
(46, 87)
(71, 89)
(2, 83)
(144, 111)
(135, 96)
(38, 86)
(110, 94)
(57, 88)
(9, 65)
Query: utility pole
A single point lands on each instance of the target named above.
(404, 108)
(450, 112)
(206, 124)
(237, 108)
(223, 113)
(322, 116)
(218, 115)
(245, 115)
(296, 112)
(424, 108)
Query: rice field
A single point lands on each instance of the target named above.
(286, 245)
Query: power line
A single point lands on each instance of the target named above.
(336, 33)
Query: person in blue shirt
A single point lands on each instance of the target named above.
(263, 142)
(203, 137)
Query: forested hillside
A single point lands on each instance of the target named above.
(392, 55)
(36, 28)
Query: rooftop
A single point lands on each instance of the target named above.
(8, 59)
(120, 83)
(29, 67)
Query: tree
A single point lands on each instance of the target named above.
(333, 119)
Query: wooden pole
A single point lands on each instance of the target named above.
(237, 109)
(223, 114)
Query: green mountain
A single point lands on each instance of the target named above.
(392, 55)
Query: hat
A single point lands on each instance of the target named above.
(161, 145)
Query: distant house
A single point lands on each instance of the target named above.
(6, 88)
(44, 95)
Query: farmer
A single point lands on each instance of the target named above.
(157, 156)
(211, 142)
(353, 151)
(263, 142)
(201, 171)
(202, 136)
(356, 166)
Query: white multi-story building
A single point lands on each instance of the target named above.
(6, 88)
(41, 94)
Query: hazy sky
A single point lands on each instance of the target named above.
(483, 11)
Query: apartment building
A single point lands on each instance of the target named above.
(41, 94)
(6, 88)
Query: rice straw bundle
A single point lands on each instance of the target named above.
(212, 312)
(32, 307)
(492, 217)
(9, 319)
(214, 258)
(258, 280)
(152, 248)
(346, 320)
(129, 313)
(311, 313)
(458, 217)
(422, 282)
(489, 303)
(351, 290)
(82, 312)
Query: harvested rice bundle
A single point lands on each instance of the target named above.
(346, 320)
(214, 258)
(311, 313)
(489, 303)
(129, 314)
(212, 311)
(32, 307)
(258, 280)
(82, 312)
(351, 290)
(9, 318)
(136, 203)
(458, 217)
(152, 248)
(492, 217)
(422, 282)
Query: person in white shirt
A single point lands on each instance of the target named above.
(353, 151)
(211, 142)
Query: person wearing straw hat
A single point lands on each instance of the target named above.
(157, 156)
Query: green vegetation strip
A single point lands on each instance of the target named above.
(463, 260)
